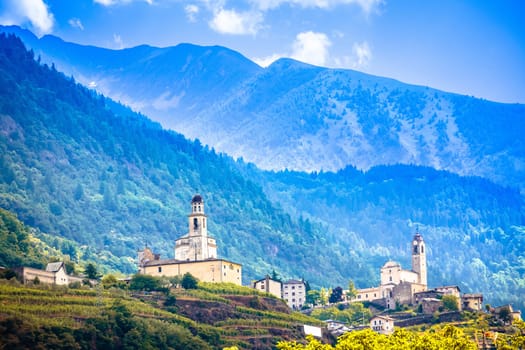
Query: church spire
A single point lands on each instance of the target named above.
(419, 260)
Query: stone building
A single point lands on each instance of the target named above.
(398, 286)
(382, 324)
(294, 293)
(472, 301)
(195, 253)
(268, 285)
(55, 273)
(449, 290)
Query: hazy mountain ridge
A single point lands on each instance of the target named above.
(296, 116)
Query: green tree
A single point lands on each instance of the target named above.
(171, 300)
(70, 267)
(505, 315)
(352, 291)
(145, 282)
(109, 281)
(450, 302)
(189, 281)
(336, 295)
(275, 276)
(313, 297)
(174, 281)
(323, 296)
(91, 271)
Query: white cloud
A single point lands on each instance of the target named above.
(76, 23)
(105, 2)
(314, 48)
(311, 47)
(362, 54)
(191, 12)
(35, 12)
(118, 41)
(234, 22)
(266, 61)
(367, 6)
(117, 2)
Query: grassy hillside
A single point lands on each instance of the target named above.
(62, 318)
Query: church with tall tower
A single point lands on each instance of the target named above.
(195, 252)
(398, 286)
(196, 244)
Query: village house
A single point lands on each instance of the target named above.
(473, 302)
(431, 293)
(512, 314)
(337, 328)
(382, 324)
(449, 290)
(294, 293)
(430, 305)
(55, 273)
(269, 285)
(195, 253)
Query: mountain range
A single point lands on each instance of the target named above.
(106, 181)
(296, 116)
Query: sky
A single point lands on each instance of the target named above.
(471, 47)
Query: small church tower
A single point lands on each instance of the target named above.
(197, 218)
(419, 259)
(196, 244)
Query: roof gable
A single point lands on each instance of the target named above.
(55, 266)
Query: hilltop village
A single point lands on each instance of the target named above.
(195, 253)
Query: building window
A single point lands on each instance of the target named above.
(160, 268)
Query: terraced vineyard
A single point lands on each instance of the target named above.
(211, 317)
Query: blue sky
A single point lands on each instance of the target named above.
(472, 47)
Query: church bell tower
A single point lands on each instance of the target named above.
(197, 218)
(419, 258)
(196, 245)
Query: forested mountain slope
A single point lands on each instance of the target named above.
(296, 116)
(77, 165)
(474, 230)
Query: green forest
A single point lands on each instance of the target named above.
(96, 181)
(78, 166)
